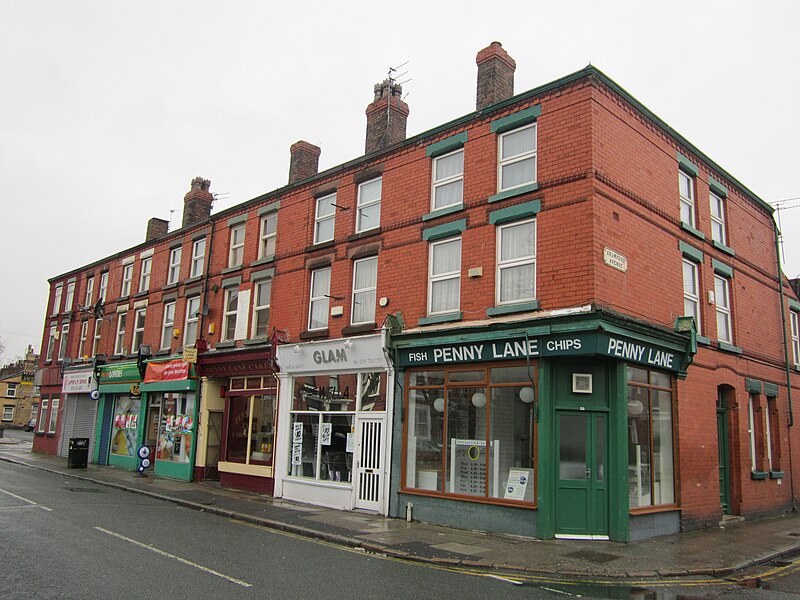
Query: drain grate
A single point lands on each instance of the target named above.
(794, 533)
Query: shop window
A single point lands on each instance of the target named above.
(176, 427)
(322, 428)
(51, 426)
(365, 280)
(471, 433)
(651, 463)
(251, 426)
(369, 205)
(516, 262)
(325, 219)
(125, 425)
(448, 180)
(174, 270)
(40, 422)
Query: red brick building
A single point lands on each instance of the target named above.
(553, 316)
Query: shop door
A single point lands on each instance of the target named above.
(105, 429)
(724, 469)
(369, 463)
(581, 505)
(213, 446)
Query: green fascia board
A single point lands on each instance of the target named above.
(686, 165)
(517, 119)
(720, 268)
(770, 390)
(693, 231)
(495, 311)
(515, 213)
(180, 385)
(794, 305)
(269, 208)
(440, 212)
(447, 145)
(238, 220)
(263, 274)
(639, 336)
(444, 230)
(723, 248)
(753, 386)
(449, 317)
(523, 189)
(114, 388)
(717, 187)
(730, 348)
(690, 252)
(232, 281)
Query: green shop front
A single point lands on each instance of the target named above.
(120, 405)
(554, 427)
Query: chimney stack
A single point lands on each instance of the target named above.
(495, 75)
(197, 202)
(156, 228)
(304, 162)
(386, 117)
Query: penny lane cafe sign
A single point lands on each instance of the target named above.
(518, 348)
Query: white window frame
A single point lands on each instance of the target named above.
(57, 299)
(434, 278)
(751, 430)
(167, 325)
(768, 436)
(369, 291)
(103, 286)
(687, 203)
(70, 297)
(267, 236)
(62, 342)
(138, 329)
(692, 296)
(522, 156)
(174, 270)
(236, 250)
(8, 413)
(259, 308)
(82, 345)
(794, 317)
(89, 291)
(322, 298)
(119, 339)
(198, 258)
(722, 302)
(502, 265)
(192, 318)
(717, 206)
(363, 204)
(51, 342)
(127, 277)
(11, 389)
(437, 182)
(229, 315)
(53, 421)
(98, 324)
(322, 217)
(42, 415)
(144, 276)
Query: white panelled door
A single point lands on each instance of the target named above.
(370, 459)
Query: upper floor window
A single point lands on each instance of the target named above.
(325, 218)
(138, 329)
(691, 292)
(103, 286)
(269, 227)
(192, 317)
(198, 258)
(236, 253)
(82, 345)
(444, 276)
(320, 298)
(174, 269)
(11, 390)
(51, 427)
(448, 179)
(517, 157)
(793, 317)
(168, 325)
(51, 342)
(229, 316)
(144, 277)
(70, 296)
(62, 342)
(365, 282)
(261, 300)
(516, 262)
(369, 205)
(686, 188)
(717, 218)
(722, 301)
(127, 276)
(97, 332)
(89, 291)
(119, 342)
(57, 299)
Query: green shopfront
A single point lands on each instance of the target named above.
(559, 427)
(119, 426)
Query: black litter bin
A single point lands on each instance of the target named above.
(78, 455)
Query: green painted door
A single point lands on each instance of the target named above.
(581, 507)
(724, 470)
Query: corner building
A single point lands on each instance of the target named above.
(553, 317)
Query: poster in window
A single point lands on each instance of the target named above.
(517, 484)
(327, 429)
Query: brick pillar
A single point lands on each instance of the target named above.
(386, 117)
(156, 228)
(495, 75)
(197, 202)
(304, 162)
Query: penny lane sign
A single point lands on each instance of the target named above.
(518, 348)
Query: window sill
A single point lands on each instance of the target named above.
(758, 475)
(142, 294)
(692, 230)
(194, 279)
(224, 344)
(232, 269)
(440, 212)
(723, 248)
(164, 352)
(263, 261)
(122, 299)
(517, 191)
(512, 308)
(729, 348)
(360, 328)
(360, 235)
(449, 317)
(776, 474)
(169, 286)
(313, 335)
(319, 246)
(701, 339)
(256, 341)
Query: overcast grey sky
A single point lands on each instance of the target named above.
(109, 108)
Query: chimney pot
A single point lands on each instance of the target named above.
(304, 162)
(197, 202)
(387, 117)
(495, 75)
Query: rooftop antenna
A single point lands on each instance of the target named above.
(392, 78)
(169, 226)
(220, 196)
(781, 205)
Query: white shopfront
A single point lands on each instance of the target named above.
(334, 423)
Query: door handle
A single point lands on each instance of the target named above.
(588, 473)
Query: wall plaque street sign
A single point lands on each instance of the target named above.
(615, 259)
(190, 355)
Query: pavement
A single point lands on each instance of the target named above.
(717, 552)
